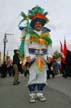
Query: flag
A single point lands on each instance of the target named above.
(63, 51)
(65, 48)
(61, 47)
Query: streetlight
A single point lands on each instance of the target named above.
(5, 41)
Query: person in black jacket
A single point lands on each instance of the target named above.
(16, 63)
(50, 68)
(4, 70)
(68, 64)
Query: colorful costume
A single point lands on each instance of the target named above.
(37, 46)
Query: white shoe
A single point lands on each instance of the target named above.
(32, 98)
(41, 97)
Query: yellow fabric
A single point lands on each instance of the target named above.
(39, 40)
(45, 34)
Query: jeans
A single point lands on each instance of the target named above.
(39, 87)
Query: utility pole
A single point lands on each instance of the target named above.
(5, 41)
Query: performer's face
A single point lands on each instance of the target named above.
(38, 26)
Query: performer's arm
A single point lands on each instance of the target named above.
(49, 51)
(26, 46)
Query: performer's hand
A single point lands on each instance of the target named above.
(28, 59)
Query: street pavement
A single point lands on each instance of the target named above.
(57, 91)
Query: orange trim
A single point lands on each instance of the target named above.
(38, 15)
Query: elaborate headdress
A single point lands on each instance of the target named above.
(35, 14)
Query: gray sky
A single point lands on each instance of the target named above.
(58, 14)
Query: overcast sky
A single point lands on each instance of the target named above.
(58, 13)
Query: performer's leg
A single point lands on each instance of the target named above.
(40, 88)
(32, 94)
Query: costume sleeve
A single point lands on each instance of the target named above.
(26, 45)
(50, 51)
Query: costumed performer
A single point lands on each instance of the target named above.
(37, 45)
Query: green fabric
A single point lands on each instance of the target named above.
(21, 48)
(35, 10)
(25, 17)
(47, 39)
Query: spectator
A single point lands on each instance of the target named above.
(68, 63)
(4, 70)
(50, 68)
(16, 63)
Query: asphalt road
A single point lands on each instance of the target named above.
(58, 94)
